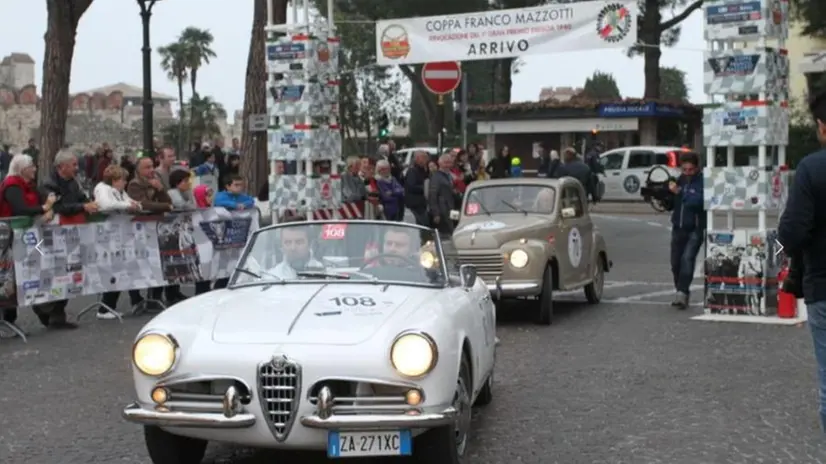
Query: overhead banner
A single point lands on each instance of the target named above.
(511, 33)
(54, 262)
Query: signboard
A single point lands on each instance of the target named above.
(746, 124)
(441, 78)
(746, 72)
(258, 122)
(746, 20)
(639, 110)
(487, 35)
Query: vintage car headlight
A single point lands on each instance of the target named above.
(413, 354)
(154, 354)
(519, 259)
(427, 260)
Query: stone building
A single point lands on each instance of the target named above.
(16, 71)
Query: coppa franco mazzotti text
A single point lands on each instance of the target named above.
(498, 20)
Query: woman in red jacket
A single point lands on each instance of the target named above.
(18, 197)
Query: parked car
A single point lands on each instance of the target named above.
(528, 237)
(627, 168)
(376, 346)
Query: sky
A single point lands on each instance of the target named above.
(109, 39)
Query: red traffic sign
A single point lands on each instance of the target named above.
(442, 77)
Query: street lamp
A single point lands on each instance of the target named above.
(148, 103)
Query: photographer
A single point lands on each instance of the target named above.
(688, 221)
(800, 232)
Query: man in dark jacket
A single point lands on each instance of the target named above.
(414, 197)
(500, 166)
(441, 196)
(574, 167)
(71, 202)
(220, 160)
(688, 226)
(801, 231)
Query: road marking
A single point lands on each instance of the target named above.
(653, 294)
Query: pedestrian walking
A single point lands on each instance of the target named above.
(442, 196)
(688, 226)
(414, 188)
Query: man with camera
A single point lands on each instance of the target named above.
(688, 225)
(801, 231)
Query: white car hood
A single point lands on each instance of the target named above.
(309, 313)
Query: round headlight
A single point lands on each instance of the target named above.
(519, 259)
(427, 260)
(413, 354)
(154, 354)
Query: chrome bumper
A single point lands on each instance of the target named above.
(163, 417)
(381, 422)
(499, 289)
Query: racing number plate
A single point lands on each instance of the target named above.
(355, 444)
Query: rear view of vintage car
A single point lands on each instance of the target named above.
(527, 237)
(357, 338)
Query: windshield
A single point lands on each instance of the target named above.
(510, 199)
(357, 251)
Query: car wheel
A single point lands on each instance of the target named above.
(593, 291)
(447, 445)
(546, 299)
(166, 448)
(485, 396)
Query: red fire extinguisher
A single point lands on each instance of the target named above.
(786, 302)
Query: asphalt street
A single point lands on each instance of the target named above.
(630, 380)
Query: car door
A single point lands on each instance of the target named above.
(636, 172)
(574, 240)
(613, 162)
(485, 329)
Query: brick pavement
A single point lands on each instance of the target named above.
(622, 382)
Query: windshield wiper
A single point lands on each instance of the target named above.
(328, 275)
(256, 275)
(482, 207)
(514, 207)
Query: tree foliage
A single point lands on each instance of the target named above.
(673, 86)
(811, 15)
(601, 86)
(173, 62)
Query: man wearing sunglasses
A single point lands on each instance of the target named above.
(802, 234)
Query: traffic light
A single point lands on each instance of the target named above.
(384, 126)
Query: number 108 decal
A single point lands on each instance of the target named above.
(351, 301)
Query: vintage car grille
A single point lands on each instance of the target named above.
(202, 393)
(488, 266)
(351, 397)
(279, 387)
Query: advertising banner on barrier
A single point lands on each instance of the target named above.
(54, 262)
(488, 35)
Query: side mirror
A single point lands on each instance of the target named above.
(568, 213)
(454, 215)
(467, 273)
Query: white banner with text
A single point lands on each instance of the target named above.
(511, 33)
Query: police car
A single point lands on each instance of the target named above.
(627, 168)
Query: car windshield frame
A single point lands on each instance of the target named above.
(265, 280)
(503, 208)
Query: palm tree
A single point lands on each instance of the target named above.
(173, 61)
(203, 120)
(197, 43)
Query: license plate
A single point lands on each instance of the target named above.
(356, 444)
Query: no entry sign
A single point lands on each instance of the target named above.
(443, 77)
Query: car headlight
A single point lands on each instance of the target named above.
(427, 260)
(519, 259)
(154, 354)
(413, 354)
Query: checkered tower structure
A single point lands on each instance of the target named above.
(303, 138)
(746, 79)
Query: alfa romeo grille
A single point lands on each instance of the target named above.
(279, 388)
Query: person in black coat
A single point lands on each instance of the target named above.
(500, 166)
(414, 197)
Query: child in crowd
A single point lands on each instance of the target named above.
(203, 196)
(233, 197)
(181, 190)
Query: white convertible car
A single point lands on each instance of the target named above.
(354, 337)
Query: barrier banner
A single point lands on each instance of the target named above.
(120, 252)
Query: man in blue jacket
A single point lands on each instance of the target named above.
(801, 232)
(688, 225)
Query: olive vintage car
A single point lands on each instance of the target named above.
(530, 236)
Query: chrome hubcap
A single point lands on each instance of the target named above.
(461, 402)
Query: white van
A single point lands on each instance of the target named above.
(627, 168)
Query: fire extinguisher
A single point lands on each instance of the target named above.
(786, 301)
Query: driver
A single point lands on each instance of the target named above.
(295, 246)
(396, 242)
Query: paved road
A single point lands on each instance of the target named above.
(628, 381)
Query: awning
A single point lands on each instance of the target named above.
(813, 62)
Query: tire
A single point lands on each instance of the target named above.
(593, 291)
(166, 448)
(545, 314)
(447, 445)
(485, 396)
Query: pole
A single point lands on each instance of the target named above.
(440, 123)
(463, 108)
(148, 104)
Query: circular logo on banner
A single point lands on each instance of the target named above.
(631, 184)
(753, 175)
(575, 247)
(614, 22)
(395, 43)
